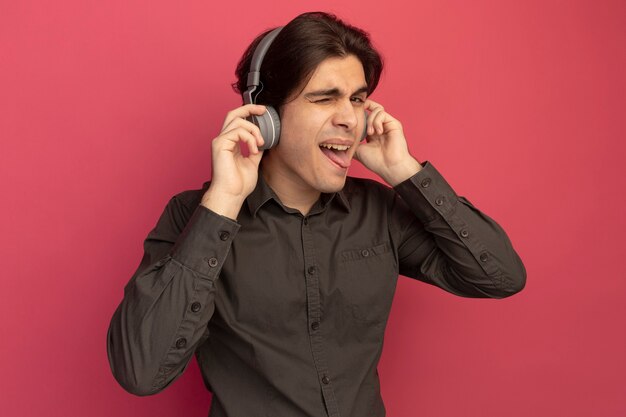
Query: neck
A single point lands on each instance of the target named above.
(289, 188)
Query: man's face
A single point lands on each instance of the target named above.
(321, 128)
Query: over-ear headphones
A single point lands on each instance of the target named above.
(364, 135)
(269, 122)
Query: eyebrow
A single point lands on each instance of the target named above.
(333, 92)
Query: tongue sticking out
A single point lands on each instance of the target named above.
(341, 158)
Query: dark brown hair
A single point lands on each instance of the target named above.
(299, 48)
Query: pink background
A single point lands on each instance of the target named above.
(107, 109)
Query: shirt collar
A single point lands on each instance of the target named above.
(262, 193)
(342, 199)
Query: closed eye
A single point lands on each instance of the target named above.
(357, 100)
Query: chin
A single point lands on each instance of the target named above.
(331, 186)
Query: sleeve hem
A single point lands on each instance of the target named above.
(205, 242)
(435, 197)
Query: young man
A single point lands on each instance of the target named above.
(279, 273)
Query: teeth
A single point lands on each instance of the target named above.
(336, 147)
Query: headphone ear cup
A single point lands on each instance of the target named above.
(364, 129)
(269, 125)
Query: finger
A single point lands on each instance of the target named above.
(371, 105)
(230, 141)
(377, 122)
(361, 151)
(246, 124)
(256, 158)
(377, 117)
(243, 112)
(375, 110)
(249, 139)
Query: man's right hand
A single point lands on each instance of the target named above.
(234, 175)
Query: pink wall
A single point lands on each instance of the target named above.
(107, 109)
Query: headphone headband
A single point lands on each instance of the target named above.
(269, 122)
(254, 75)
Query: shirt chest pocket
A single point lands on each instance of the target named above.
(367, 281)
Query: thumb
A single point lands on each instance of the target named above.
(363, 151)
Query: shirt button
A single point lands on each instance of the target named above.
(439, 201)
(365, 253)
(464, 233)
(484, 257)
(312, 270)
(425, 182)
(315, 325)
(305, 221)
(325, 380)
(195, 307)
(213, 262)
(224, 235)
(181, 343)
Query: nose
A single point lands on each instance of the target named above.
(345, 115)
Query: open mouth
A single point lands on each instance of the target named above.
(338, 154)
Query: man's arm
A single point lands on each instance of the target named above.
(171, 297)
(444, 240)
(447, 242)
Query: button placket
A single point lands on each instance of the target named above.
(318, 349)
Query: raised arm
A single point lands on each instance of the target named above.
(448, 242)
(443, 239)
(170, 299)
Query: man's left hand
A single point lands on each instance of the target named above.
(385, 151)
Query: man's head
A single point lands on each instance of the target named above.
(298, 50)
(317, 73)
